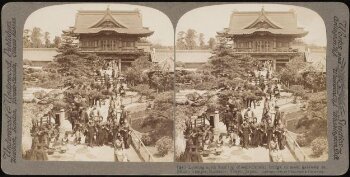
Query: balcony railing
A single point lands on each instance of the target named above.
(270, 50)
(117, 50)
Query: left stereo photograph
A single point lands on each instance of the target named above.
(98, 84)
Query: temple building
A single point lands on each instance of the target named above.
(266, 35)
(117, 36)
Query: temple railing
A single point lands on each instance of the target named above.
(116, 50)
(295, 149)
(140, 148)
(270, 50)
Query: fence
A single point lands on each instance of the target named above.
(295, 148)
(140, 148)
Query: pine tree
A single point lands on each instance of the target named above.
(26, 39)
(35, 37)
(201, 41)
(72, 64)
(47, 40)
(180, 41)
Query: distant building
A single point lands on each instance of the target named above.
(39, 57)
(192, 59)
(114, 35)
(266, 35)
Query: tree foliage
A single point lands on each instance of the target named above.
(201, 41)
(26, 38)
(160, 118)
(180, 40)
(143, 90)
(292, 73)
(36, 37)
(47, 40)
(71, 63)
(136, 74)
(212, 43)
(190, 39)
(315, 120)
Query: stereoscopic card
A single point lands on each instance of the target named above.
(190, 88)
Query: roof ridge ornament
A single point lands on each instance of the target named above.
(263, 22)
(108, 21)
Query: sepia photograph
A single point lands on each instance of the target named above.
(98, 84)
(250, 84)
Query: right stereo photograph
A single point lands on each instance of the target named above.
(250, 84)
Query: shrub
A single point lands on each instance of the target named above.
(302, 140)
(147, 139)
(164, 145)
(319, 146)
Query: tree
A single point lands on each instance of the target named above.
(73, 65)
(315, 120)
(47, 40)
(231, 66)
(137, 73)
(212, 43)
(35, 37)
(143, 90)
(190, 39)
(160, 117)
(297, 91)
(26, 39)
(201, 41)
(221, 43)
(57, 41)
(313, 79)
(292, 73)
(180, 41)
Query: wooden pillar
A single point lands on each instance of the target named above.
(274, 64)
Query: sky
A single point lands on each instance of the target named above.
(208, 20)
(54, 19)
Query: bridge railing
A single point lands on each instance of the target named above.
(295, 148)
(140, 148)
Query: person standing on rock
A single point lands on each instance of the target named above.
(280, 134)
(255, 136)
(95, 113)
(249, 115)
(239, 118)
(91, 133)
(123, 116)
(278, 116)
(266, 108)
(227, 119)
(270, 130)
(275, 154)
(246, 133)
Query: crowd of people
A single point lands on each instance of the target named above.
(243, 128)
(88, 126)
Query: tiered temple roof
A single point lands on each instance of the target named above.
(122, 22)
(277, 23)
